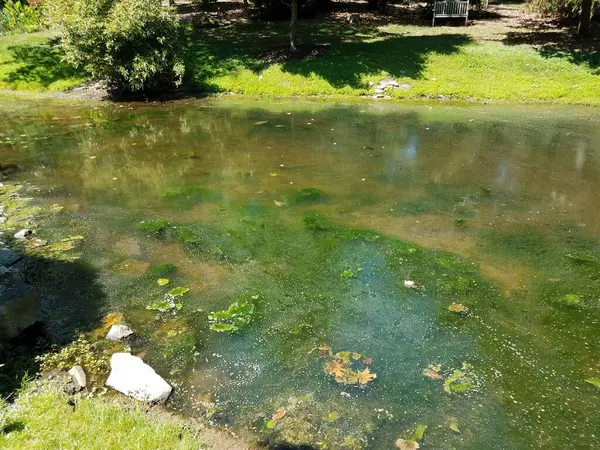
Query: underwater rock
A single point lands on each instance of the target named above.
(19, 307)
(8, 257)
(131, 376)
(78, 376)
(459, 309)
(118, 332)
(23, 233)
(405, 444)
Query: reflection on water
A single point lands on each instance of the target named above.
(317, 216)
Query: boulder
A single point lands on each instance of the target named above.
(78, 376)
(118, 332)
(133, 377)
(24, 233)
(19, 307)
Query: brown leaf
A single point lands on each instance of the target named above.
(365, 377)
(367, 361)
(278, 203)
(430, 373)
(405, 444)
(336, 369)
(279, 414)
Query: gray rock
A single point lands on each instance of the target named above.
(118, 332)
(133, 377)
(19, 307)
(23, 233)
(8, 257)
(78, 376)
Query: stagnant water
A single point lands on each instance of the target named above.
(311, 218)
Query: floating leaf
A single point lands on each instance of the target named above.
(419, 432)
(271, 424)
(235, 317)
(278, 203)
(348, 274)
(365, 376)
(406, 444)
(457, 308)
(461, 380)
(452, 423)
(581, 257)
(336, 369)
(570, 300)
(219, 327)
(162, 306)
(430, 373)
(594, 381)
(112, 319)
(261, 122)
(332, 417)
(162, 281)
(344, 356)
(367, 361)
(176, 292)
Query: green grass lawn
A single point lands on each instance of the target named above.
(42, 419)
(475, 63)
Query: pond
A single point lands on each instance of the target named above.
(349, 274)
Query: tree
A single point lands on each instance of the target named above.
(294, 26)
(584, 18)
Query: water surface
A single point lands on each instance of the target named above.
(315, 216)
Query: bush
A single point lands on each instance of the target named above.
(279, 10)
(17, 17)
(566, 9)
(130, 44)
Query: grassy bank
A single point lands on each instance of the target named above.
(495, 60)
(42, 418)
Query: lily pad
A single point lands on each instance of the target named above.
(178, 291)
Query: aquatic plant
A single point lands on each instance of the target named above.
(186, 198)
(169, 303)
(461, 380)
(594, 382)
(309, 195)
(234, 318)
(156, 227)
(162, 281)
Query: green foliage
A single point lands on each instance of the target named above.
(156, 227)
(132, 44)
(20, 17)
(562, 8)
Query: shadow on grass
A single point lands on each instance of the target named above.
(214, 53)
(41, 64)
(72, 301)
(561, 43)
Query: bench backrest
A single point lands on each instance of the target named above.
(451, 9)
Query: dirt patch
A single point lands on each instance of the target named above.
(285, 54)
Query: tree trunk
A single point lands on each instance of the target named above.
(293, 25)
(584, 18)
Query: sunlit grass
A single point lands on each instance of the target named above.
(42, 419)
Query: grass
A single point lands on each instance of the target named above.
(484, 62)
(41, 418)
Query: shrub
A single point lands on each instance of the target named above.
(17, 17)
(562, 8)
(131, 44)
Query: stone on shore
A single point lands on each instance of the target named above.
(133, 377)
(19, 307)
(24, 233)
(78, 376)
(118, 332)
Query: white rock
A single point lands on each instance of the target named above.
(78, 376)
(131, 376)
(23, 233)
(118, 332)
(410, 284)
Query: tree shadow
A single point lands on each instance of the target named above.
(41, 64)
(347, 59)
(561, 43)
(72, 301)
(400, 57)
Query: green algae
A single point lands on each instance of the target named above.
(188, 197)
(309, 195)
(156, 227)
(234, 318)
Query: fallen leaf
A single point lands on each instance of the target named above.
(405, 444)
(335, 368)
(365, 376)
(261, 122)
(430, 373)
(112, 319)
(457, 308)
(452, 423)
(279, 414)
(162, 281)
(278, 203)
(141, 355)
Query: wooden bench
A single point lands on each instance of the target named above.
(451, 9)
